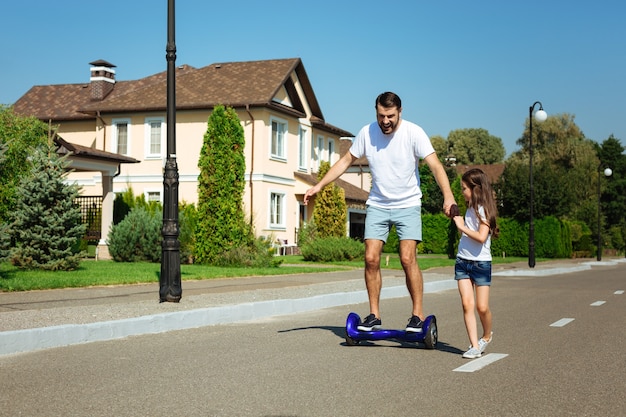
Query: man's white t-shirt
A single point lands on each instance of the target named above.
(393, 161)
(470, 249)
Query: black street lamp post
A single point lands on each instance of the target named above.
(607, 173)
(169, 281)
(540, 116)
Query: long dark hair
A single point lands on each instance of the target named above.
(482, 195)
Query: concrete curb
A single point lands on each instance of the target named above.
(19, 341)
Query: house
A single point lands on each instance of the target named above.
(285, 132)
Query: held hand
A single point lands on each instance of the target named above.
(450, 208)
(458, 221)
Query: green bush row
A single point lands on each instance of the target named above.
(554, 238)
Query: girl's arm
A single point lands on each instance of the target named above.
(479, 235)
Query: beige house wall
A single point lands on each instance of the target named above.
(264, 174)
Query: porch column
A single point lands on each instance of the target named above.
(108, 197)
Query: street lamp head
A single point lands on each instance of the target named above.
(608, 172)
(541, 115)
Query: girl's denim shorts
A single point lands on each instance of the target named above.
(478, 271)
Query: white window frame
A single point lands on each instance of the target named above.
(114, 142)
(331, 150)
(302, 147)
(279, 150)
(277, 209)
(151, 191)
(319, 151)
(148, 137)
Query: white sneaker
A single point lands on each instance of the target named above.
(472, 353)
(482, 343)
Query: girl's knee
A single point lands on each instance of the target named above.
(483, 309)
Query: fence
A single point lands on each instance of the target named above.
(91, 215)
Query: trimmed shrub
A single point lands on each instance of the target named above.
(259, 255)
(137, 237)
(333, 249)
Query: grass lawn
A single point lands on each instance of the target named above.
(93, 273)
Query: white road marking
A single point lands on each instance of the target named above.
(562, 322)
(480, 363)
(619, 292)
(598, 303)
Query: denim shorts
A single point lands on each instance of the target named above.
(478, 271)
(408, 222)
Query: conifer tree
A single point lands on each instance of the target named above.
(46, 222)
(221, 224)
(330, 212)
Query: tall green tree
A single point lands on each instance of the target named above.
(19, 135)
(330, 212)
(475, 147)
(46, 223)
(564, 169)
(611, 155)
(221, 224)
(613, 193)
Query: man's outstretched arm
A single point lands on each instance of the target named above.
(333, 173)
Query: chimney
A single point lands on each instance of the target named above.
(102, 79)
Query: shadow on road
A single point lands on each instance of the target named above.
(341, 333)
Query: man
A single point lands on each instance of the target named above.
(393, 148)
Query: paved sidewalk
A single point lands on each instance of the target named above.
(43, 319)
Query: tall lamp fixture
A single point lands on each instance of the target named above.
(170, 288)
(540, 116)
(607, 173)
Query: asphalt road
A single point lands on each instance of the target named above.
(538, 364)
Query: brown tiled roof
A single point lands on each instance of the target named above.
(65, 147)
(352, 192)
(493, 171)
(344, 147)
(235, 84)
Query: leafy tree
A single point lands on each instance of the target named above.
(18, 135)
(46, 222)
(441, 146)
(221, 224)
(5, 239)
(564, 163)
(475, 146)
(330, 212)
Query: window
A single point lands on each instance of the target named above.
(153, 196)
(302, 149)
(277, 209)
(331, 150)
(319, 151)
(154, 137)
(278, 145)
(121, 136)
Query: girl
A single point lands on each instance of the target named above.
(473, 263)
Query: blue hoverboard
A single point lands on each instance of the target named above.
(428, 335)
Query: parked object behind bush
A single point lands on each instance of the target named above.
(137, 237)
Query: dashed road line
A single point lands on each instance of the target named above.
(619, 292)
(480, 363)
(562, 322)
(597, 303)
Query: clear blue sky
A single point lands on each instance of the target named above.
(455, 64)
